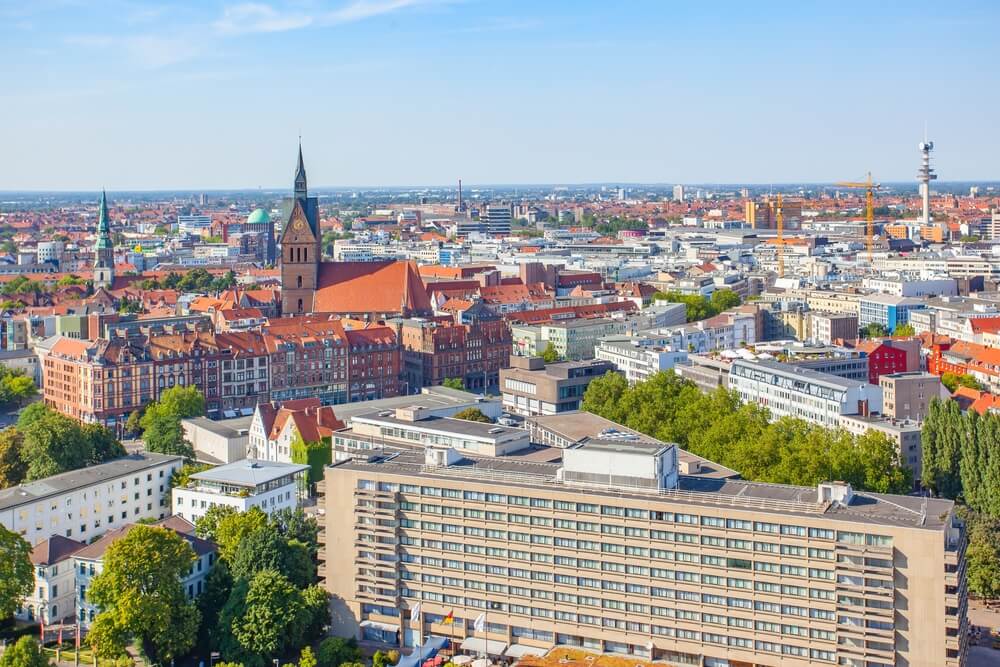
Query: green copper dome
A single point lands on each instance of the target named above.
(258, 217)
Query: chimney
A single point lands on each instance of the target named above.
(863, 408)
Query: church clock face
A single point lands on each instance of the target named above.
(298, 225)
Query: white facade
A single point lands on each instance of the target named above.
(51, 598)
(267, 485)
(83, 504)
(792, 391)
(901, 287)
(637, 360)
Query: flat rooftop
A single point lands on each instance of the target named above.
(795, 370)
(249, 472)
(78, 479)
(865, 508)
(227, 428)
(464, 427)
(429, 398)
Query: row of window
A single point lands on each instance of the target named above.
(622, 512)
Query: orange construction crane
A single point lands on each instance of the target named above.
(870, 189)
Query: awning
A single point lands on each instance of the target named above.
(479, 645)
(520, 650)
(430, 647)
(388, 627)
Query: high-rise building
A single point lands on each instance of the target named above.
(619, 546)
(104, 248)
(678, 193)
(764, 214)
(496, 219)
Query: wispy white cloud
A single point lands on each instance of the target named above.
(150, 51)
(256, 17)
(253, 17)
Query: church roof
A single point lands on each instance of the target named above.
(370, 287)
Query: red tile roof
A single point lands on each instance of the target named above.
(370, 287)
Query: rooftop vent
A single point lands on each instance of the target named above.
(835, 492)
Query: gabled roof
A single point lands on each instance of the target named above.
(985, 324)
(96, 550)
(54, 550)
(371, 287)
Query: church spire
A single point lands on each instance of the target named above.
(300, 175)
(104, 223)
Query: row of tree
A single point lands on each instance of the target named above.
(159, 424)
(741, 436)
(196, 280)
(45, 442)
(698, 306)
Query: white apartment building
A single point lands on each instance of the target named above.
(51, 598)
(638, 357)
(83, 504)
(89, 562)
(269, 485)
(793, 391)
(903, 287)
(723, 332)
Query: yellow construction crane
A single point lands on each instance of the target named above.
(781, 239)
(870, 189)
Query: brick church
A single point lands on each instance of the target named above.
(363, 290)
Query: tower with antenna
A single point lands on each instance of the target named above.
(924, 176)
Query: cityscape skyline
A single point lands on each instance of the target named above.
(199, 97)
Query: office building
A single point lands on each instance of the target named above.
(572, 339)
(678, 193)
(792, 391)
(638, 357)
(83, 504)
(612, 550)
(217, 441)
(532, 387)
(826, 328)
(885, 309)
(908, 395)
(268, 485)
(496, 219)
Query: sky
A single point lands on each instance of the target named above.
(213, 94)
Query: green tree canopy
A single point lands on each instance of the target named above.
(550, 354)
(232, 529)
(473, 415)
(952, 381)
(700, 308)
(207, 524)
(874, 330)
(24, 653)
(336, 651)
(905, 329)
(12, 465)
(17, 576)
(454, 383)
(161, 423)
(141, 596)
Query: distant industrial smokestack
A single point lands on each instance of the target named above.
(461, 206)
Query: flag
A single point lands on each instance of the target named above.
(41, 630)
(60, 634)
(449, 619)
(77, 635)
(415, 612)
(479, 625)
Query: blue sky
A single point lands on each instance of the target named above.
(139, 95)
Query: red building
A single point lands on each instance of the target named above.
(882, 359)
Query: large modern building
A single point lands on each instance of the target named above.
(267, 485)
(612, 550)
(83, 504)
(532, 387)
(791, 391)
(909, 395)
(638, 357)
(888, 310)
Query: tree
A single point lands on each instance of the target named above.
(983, 558)
(724, 299)
(307, 659)
(874, 330)
(550, 354)
(264, 616)
(24, 653)
(336, 651)
(603, 396)
(905, 329)
(16, 387)
(218, 587)
(473, 415)
(17, 575)
(454, 383)
(52, 444)
(12, 466)
(295, 524)
(261, 549)
(317, 455)
(102, 444)
(206, 525)
(141, 596)
(232, 529)
(952, 381)
(134, 423)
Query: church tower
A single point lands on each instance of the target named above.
(104, 249)
(300, 247)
